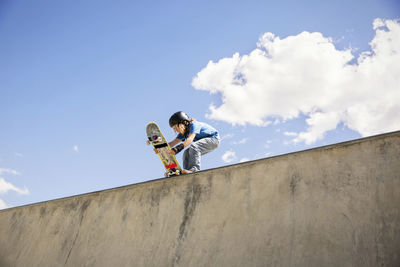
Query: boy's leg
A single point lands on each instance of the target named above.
(192, 155)
(185, 159)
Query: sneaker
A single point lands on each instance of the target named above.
(187, 171)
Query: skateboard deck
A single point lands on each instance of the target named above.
(156, 138)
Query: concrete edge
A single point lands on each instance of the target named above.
(162, 179)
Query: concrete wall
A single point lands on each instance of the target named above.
(331, 206)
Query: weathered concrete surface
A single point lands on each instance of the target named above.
(331, 206)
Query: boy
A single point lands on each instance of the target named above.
(199, 136)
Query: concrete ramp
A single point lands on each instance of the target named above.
(331, 206)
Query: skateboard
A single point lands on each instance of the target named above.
(156, 138)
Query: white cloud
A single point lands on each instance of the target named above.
(76, 148)
(7, 186)
(8, 171)
(290, 133)
(240, 142)
(306, 74)
(229, 156)
(227, 136)
(267, 144)
(3, 205)
(244, 160)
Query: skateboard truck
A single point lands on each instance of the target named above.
(153, 140)
(172, 172)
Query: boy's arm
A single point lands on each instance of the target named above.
(174, 142)
(171, 144)
(189, 140)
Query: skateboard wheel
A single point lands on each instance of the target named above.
(148, 142)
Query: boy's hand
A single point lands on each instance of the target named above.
(171, 152)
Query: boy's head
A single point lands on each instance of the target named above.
(178, 121)
(178, 118)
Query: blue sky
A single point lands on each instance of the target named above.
(79, 81)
